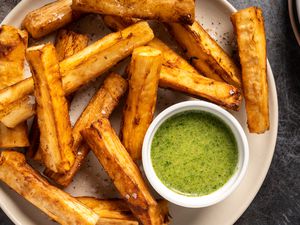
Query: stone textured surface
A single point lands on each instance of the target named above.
(278, 201)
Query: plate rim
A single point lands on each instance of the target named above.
(272, 83)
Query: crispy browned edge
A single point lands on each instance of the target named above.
(181, 11)
(177, 74)
(67, 43)
(124, 173)
(216, 63)
(102, 104)
(13, 43)
(52, 109)
(143, 75)
(118, 208)
(49, 18)
(60, 206)
(251, 38)
(93, 61)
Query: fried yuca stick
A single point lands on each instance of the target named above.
(58, 205)
(177, 74)
(49, 18)
(67, 43)
(101, 105)
(249, 27)
(125, 174)
(118, 209)
(96, 59)
(192, 84)
(13, 43)
(205, 53)
(140, 105)
(15, 92)
(52, 109)
(140, 31)
(167, 10)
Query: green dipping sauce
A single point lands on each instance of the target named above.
(194, 153)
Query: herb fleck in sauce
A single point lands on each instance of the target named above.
(194, 153)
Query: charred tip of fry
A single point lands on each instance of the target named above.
(186, 19)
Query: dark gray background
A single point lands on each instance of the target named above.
(278, 201)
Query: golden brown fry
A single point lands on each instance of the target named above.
(115, 209)
(101, 105)
(52, 109)
(15, 92)
(192, 84)
(167, 10)
(177, 74)
(49, 18)
(97, 58)
(116, 23)
(13, 43)
(68, 43)
(18, 111)
(132, 37)
(13, 138)
(140, 105)
(58, 205)
(251, 39)
(125, 174)
(205, 53)
(118, 209)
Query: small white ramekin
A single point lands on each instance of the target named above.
(232, 183)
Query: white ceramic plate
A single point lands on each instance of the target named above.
(293, 17)
(298, 9)
(91, 180)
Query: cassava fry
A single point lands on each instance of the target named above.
(110, 208)
(18, 111)
(116, 23)
(13, 43)
(167, 10)
(58, 205)
(118, 209)
(140, 105)
(124, 173)
(173, 72)
(140, 32)
(13, 138)
(49, 18)
(52, 109)
(97, 58)
(177, 74)
(68, 43)
(192, 84)
(101, 105)
(251, 38)
(205, 53)
(15, 92)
